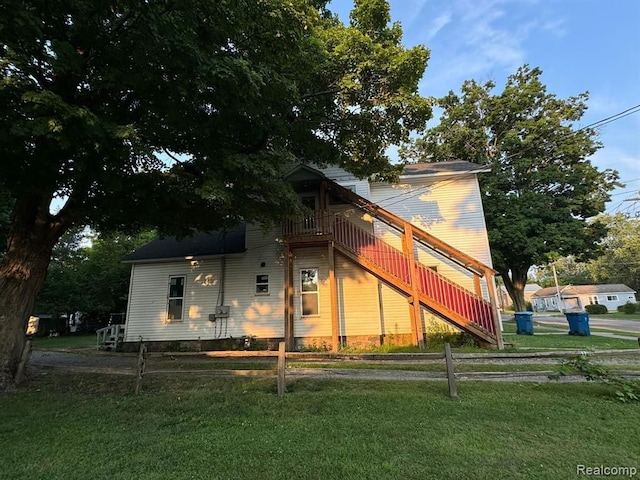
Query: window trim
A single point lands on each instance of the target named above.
(612, 298)
(170, 298)
(257, 283)
(316, 293)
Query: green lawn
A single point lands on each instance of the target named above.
(65, 341)
(565, 341)
(618, 316)
(183, 427)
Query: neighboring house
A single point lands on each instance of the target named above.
(368, 265)
(575, 297)
(505, 299)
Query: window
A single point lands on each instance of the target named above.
(176, 298)
(309, 292)
(593, 300)
(262, 284)
(612, 298)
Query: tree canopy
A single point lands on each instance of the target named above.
(542, 187)
(94, 93)
(620, 259)
(86, 273)
(182, 115)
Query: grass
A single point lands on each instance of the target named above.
(64, 341)
(510, 327)
(560, 342)
(78, 427)
(618, 316)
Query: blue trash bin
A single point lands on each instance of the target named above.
(578, 323)
(524, 323)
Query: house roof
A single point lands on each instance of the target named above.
(583, 290)
(222, 242)
(443, 168)
(448, 167)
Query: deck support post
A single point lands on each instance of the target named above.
(415, 309)
(333, 289)
(493, 298)
(288, 299)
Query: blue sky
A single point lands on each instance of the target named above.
(580, 45)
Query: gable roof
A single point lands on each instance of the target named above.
(583, 290)
(443, 168)
(221, 242)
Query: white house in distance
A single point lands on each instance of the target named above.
(575, 297)
(372, 263)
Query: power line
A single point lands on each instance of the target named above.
(612, 118)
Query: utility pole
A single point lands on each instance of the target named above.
(636, 199)
(555, 279)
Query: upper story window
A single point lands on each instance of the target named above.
(262, 284)
(175, 301)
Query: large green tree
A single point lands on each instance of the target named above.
(620, 259)
(182, 114)
(542, 187)
(568, 272)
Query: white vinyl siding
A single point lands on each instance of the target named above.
(314, 325)
(358, 300)
(250, 314)
(348, 180)
(449, 208)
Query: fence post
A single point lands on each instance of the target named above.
(142, 360)
(451, 377)
(282, 388)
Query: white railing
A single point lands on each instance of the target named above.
(109, 336)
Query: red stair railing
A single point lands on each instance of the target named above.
(430, 283)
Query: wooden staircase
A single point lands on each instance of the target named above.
(463, 308)
(467, 310)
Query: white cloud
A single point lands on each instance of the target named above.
(437, 24)
(482, 38)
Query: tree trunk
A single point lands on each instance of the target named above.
(515, 283)
(23, 269)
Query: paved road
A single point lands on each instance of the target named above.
(631, 326)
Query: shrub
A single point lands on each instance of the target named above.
(628, 308)
(596, 309)
(624, 389)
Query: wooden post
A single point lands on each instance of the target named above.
(477, 284)
(282, 387)
(451, 377)
(333, 293)
(24, 359)
(142, 360)
(288, 299)
(416, 311)
(493, 298)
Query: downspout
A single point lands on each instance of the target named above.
(223, 265)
